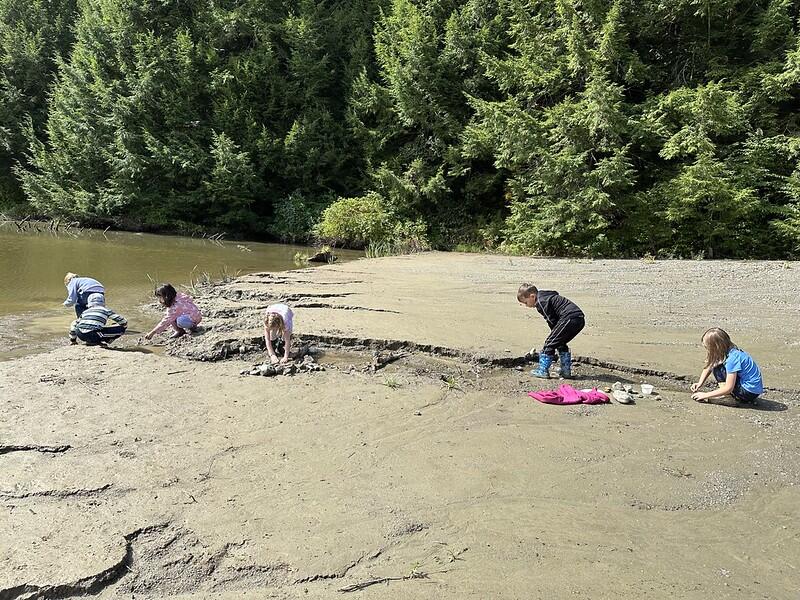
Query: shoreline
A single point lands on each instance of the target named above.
(131, 474)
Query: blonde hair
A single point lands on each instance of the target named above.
(718, 344)
(69, 277)
(274, 322)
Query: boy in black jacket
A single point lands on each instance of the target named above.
(565, 320)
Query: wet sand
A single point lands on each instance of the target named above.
(127, 474)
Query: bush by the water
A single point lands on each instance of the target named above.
(660, 127)
(366, 221)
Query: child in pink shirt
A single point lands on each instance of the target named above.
(182, 313)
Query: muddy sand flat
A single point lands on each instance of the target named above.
(124, 474)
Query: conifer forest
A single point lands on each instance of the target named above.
(617, 128)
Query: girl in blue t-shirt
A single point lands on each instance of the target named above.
(735, 370)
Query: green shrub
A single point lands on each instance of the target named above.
(295, 217)
(366, 222)
(356, 222)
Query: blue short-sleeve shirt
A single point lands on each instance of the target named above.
(741, 363)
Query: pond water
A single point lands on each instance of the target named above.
(33, 264)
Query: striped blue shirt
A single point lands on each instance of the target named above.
(94, 318)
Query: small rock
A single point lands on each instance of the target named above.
(266, 370)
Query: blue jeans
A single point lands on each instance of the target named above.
(185, 322)
(106, 334)
(81, 304)
(739, 393)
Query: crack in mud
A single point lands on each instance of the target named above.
(272, 296)
(300, 297)
(282, 281)
(86, 586)
(8, 448)
(334, 307)
(74, 493)
(341, 573)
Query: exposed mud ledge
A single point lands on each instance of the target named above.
(87, 586)
(239, 347)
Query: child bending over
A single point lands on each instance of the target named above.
(736, 372)
(92, 326)
(566, 321)
(278, 331)
(182, 313)
(78, 291)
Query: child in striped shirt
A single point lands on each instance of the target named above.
(92, 326)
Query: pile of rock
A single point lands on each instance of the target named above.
(308, 365)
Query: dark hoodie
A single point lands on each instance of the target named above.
(554, 307)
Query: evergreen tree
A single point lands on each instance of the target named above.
(33, 34)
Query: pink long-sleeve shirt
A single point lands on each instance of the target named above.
(183, 305)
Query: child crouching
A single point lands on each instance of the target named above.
(736, 372)
(181, 312)
(92, 326)
(278, 323)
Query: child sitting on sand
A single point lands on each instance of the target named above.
(566, 321)
(736, 372)
(78, 290)
(278, 331)
(92, 326)
(182, 313)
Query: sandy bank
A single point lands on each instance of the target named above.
(125, 474)
(641, 314)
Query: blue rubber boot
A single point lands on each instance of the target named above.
(565, 358)
(543, 372)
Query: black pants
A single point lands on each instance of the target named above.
(106, 334)
(561, 334)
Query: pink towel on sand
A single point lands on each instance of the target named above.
(566, 394)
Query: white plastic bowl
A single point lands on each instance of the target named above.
(647, 389)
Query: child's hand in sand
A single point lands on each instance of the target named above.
(699, 396)
(273, 359)
(284, 360)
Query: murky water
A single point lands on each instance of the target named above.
(32, 268)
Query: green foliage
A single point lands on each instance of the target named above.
(366, 221)
(659, 127)
(33, 35)
(295, 217)
(355, 221)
